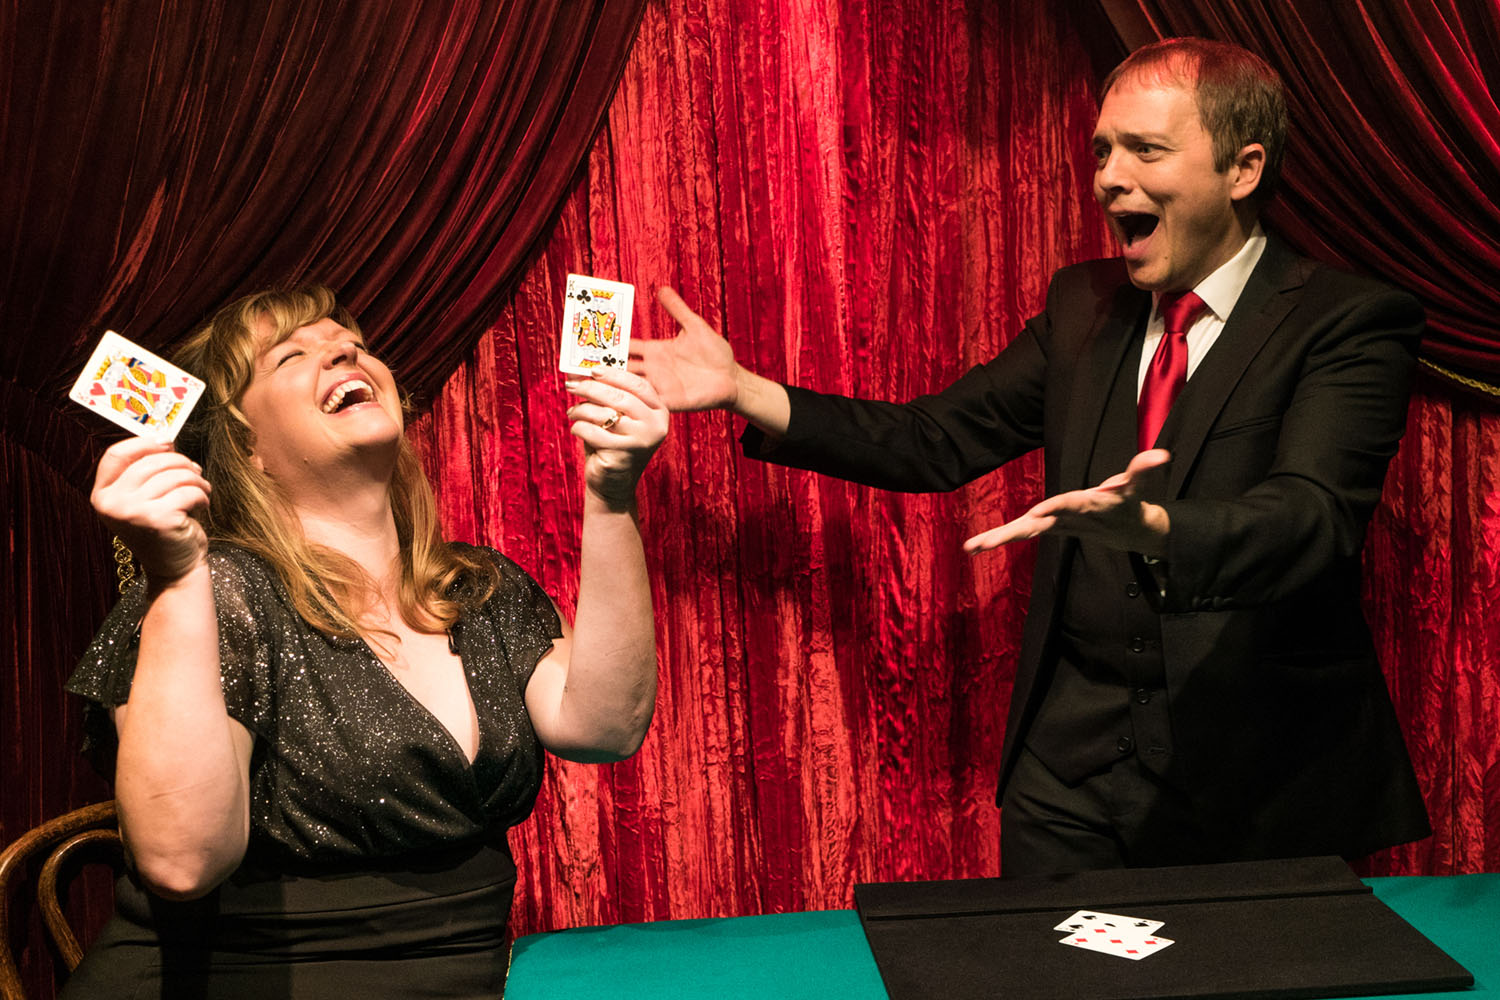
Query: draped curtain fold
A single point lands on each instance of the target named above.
(162, 157)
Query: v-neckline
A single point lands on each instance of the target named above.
(458, 750)
(437, 723)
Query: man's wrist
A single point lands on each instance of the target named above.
(762, 402)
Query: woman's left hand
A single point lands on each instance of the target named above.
(621, 421)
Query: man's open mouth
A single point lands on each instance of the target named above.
(1135, 226)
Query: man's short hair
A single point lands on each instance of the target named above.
(1240, 98)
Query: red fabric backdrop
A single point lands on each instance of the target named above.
(868, 197)
(868, 204)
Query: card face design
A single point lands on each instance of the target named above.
(1134, 948)
(1093, 920)
(1114, 934)
(129, 386)
(596, 324)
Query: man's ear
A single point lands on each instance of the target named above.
(1245, 172)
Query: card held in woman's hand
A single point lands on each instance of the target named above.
(596, 324)
(128, 385)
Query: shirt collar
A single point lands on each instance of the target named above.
(1221, 290)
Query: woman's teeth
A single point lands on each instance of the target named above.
(336, 398)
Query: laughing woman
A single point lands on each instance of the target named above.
(327, 716)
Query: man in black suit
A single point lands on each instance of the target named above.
(1197, 682)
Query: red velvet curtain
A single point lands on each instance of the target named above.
(865, 198)
(869, 203)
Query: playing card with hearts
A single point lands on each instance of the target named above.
(128, 385)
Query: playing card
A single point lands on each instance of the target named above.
(1095, 922)
(128, 385)
(1132, 946)
(596, 324)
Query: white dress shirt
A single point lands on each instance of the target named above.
(1219, 291)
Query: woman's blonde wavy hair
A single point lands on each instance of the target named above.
(249, 510)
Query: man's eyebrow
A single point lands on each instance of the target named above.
(1134, 138)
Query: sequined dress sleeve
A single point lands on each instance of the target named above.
(347, 766)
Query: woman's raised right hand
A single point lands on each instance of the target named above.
(148, 493)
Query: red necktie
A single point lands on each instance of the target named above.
(1168, 371)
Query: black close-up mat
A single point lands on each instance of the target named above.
(1298, 928)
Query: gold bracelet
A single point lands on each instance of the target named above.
(124, 565)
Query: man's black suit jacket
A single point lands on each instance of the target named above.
(1282, 725)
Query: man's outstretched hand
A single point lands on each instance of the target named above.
(694, 370)
(1108, 513)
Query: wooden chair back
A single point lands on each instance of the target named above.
(53, 852)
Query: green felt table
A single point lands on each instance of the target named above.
(823, 955)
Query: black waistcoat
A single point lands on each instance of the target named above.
(1107, 698)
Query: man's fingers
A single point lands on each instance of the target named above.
(993, 539)
(1096, 513)
(984, 542)
(1146, 460)
(1140, 464)
(1065, 511)
(1028, 525)
(675, 307)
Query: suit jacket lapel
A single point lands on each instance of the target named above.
(1261, 307)
(1104, 350)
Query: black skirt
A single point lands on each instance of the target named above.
(434, 929)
